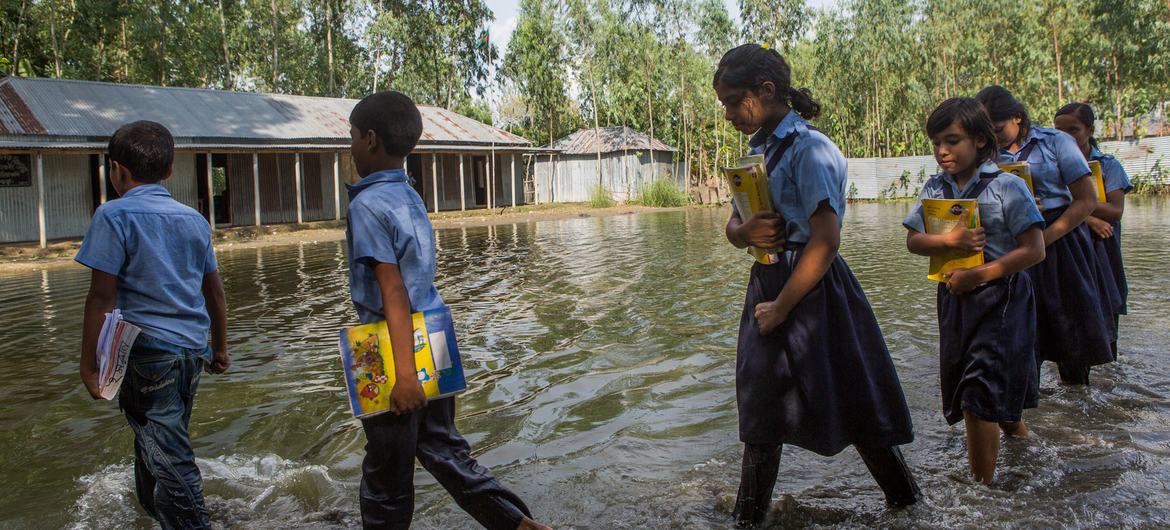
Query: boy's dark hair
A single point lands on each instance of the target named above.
(1002, 105)
(145, 148)
(750, 65)
(972, 118)
(1084, 114)
(393, 116)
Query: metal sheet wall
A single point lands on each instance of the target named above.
(183, 183)
(18, 210)
(68, 201)
(241, 190)
(571, 178)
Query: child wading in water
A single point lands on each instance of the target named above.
(812, 368)
(1076, 120)
(986, 314)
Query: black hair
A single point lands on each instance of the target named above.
(750, 65)
(145, 148)
(1002, 105)
(973, 119)
(393, 116)
(1084, 114)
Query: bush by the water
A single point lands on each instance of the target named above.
(600, 197)
(1156, 182)
(662, 193)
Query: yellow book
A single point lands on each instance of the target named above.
(748, 181)
(940, 217)
(368, 362)
(1095, 166)
(1020, 169)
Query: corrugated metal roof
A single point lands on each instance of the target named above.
(610, 139)
(68, 108)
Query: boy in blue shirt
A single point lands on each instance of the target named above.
(391, 250)
(152, 258)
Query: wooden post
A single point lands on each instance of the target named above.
(102, 177)
(435, 181)
(336, 186)
(210, 195)
(491, 180)
(256, 184)
(513, 180)
(41, 199)
(297, 178)
(462, 185)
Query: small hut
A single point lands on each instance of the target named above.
(628, 159)
(242, 159)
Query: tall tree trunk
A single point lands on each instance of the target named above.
(16, 39)
(329, 44)
(1059, 76)
(125, 53)
(56, 49)
(229, 80)
(1117, 99)
(275, 45)
(164, 14)
(596, 120)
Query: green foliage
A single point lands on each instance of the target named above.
(1155, 182)
(661, 193)
(599, 197)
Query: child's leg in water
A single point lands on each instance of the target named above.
(891, 473)
(761, 463)
(982, 447)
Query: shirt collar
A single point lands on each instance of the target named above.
(1033, 134)
(988, 166)
(378, 177)
(147, 190)
(1095, 154)
(789, 124)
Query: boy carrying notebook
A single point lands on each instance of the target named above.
(391, 249)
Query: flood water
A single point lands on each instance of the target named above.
(600, 354)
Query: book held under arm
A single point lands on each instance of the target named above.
(368, 362)
(113, 353)
(1099, 180)
(1019, 169)
(748, 181)
(940, 216)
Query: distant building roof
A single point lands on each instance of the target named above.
(610, 139)
(39, 110)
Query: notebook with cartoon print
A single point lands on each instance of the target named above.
(368, 362)
(1019, 169)
(748, 181)
(1099, 180)
(940, 216)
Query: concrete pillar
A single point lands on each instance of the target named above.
(435, 181)
(210, 195)
(336, 186)
(256, 184)
(462, 187)
(297, 178)
(41, 200)
(102, 177)
(513, 157)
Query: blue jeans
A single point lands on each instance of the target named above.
(156, 396)
(392, 444)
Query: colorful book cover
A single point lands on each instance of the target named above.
(368, 362)
(748, 181)
(1020, 169)
(940, 216)
(1099, 179)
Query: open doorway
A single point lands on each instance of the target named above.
(220, 194)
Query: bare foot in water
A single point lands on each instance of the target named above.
(1015, 429)
(529, 524)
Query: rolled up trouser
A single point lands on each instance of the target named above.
(760, 465)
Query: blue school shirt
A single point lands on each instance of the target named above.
(1055, 162)
(159, 250)
(388, 223)
(1111, 171)
(810, 171)
(1006, 208)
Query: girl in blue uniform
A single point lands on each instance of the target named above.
(1077, 119)
(812, 368)
(986, 322)
(1073, 319)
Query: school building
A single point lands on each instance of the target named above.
(628, 159)
(241, 158)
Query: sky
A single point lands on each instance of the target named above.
(506, 11)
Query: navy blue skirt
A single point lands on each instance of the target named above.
(1106, 280)
(1112, 249)
(824, 379)
(1074, 323)
(986, 362)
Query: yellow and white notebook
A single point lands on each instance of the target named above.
(1019, 169)
(748, 181)
(940, 216)
(1099, 180)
